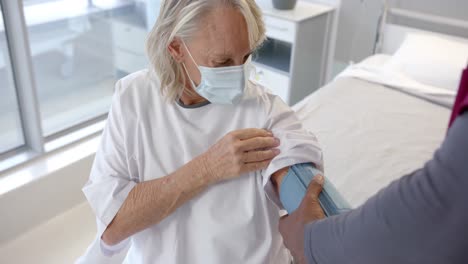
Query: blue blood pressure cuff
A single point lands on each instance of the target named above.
(294, 187)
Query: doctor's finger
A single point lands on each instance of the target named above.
(315, 188)
(260, 155)
(259, 143)
(247, 133)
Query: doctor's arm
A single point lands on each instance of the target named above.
(420, 218)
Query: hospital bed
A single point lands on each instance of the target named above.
(380, 119)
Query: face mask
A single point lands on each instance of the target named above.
(222, 85)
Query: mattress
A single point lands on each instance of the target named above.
(370, 134)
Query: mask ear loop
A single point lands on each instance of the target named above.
(194, 87)
(194, 62)
(190, 78)
(190, 93)
(189, 53)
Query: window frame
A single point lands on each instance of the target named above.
(35, 143)
(20, 147)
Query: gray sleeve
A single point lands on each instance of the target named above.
(420, 218)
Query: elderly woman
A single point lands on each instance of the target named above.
(193, 153)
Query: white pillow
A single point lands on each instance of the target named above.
(432, 60)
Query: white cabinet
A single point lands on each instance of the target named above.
(129, 32)
(276, 82)
(128, 36)
(278, 28)
(294, 61)
(128, 41)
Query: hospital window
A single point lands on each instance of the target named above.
(75, 52)
(79, 49)
(11, 134)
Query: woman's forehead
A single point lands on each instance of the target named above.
(223, 32)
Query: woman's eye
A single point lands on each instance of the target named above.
(223, 63)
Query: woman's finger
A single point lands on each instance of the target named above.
(260, 155)
(259, 143)
(255, 166)
(248, 133)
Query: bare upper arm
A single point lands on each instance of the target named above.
(277, 178)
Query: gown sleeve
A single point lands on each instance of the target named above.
(297, 144)
(110, 181)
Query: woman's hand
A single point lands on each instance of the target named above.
(239, 152)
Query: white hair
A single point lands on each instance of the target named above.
(179, 18)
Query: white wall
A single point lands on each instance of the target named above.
(358, 22)
(356, 29)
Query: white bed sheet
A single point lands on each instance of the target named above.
(371, 134)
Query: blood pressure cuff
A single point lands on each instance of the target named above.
(294, 187)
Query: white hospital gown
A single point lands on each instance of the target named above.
(146, 138)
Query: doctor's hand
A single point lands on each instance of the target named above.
(292, 226)
(240, 152)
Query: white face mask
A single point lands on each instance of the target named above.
(222, 85)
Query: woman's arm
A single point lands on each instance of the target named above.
(277, 178)
(150, 202)
(297, 145)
